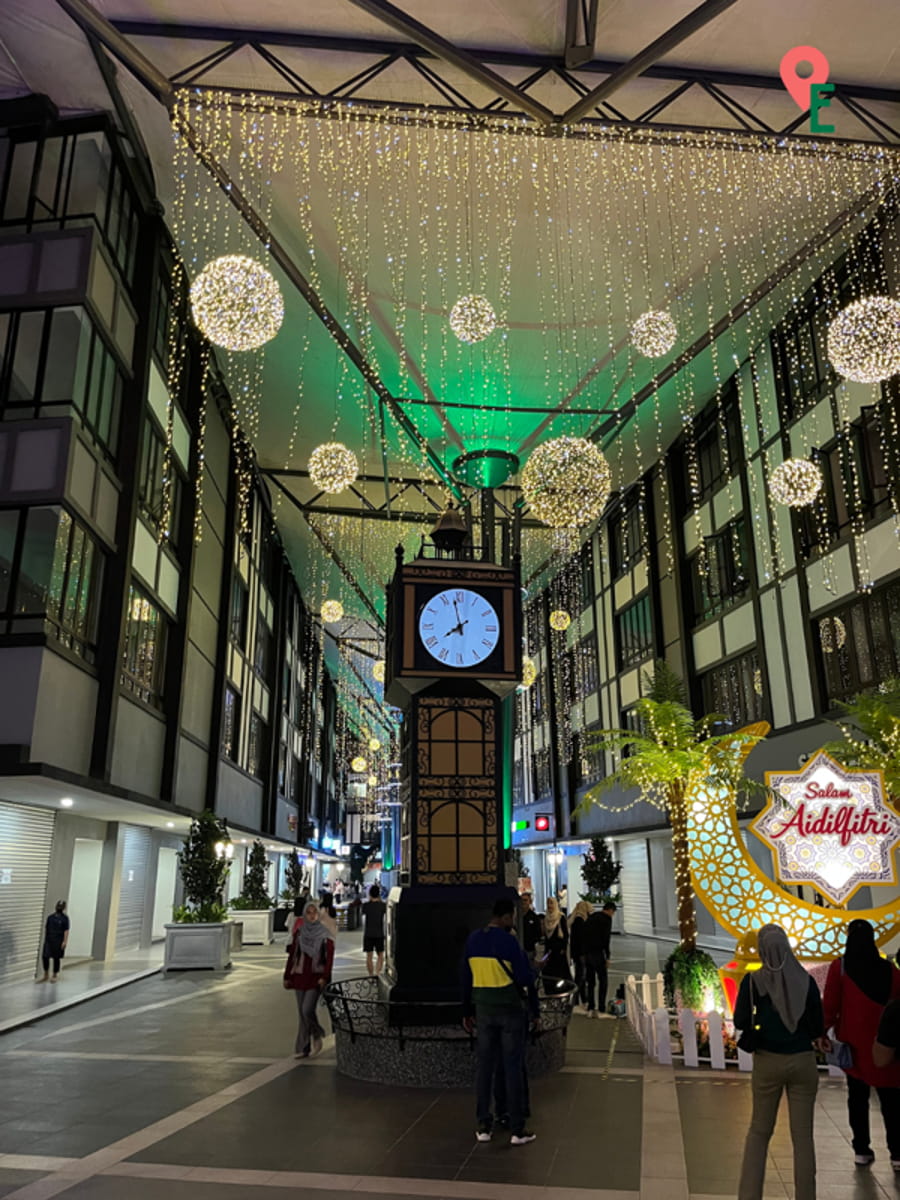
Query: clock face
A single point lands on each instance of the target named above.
(459, 627)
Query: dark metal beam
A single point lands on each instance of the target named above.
(404, 24)
(581, 31)
(657, 49)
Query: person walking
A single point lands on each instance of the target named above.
(583, 910)
(373, 929)
(532, 926)
(562, 897)
(56, 938)
(308, 970)
(328, 915)
(857, 988)
(595, 941)
(779, 1013)
(499, 1001)
(556, 945)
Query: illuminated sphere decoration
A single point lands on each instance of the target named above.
(864, 340)
(560, 620)
(378, 670)
(653, 333)
(332, 611)
(832, 634)
(566, 482)
(529, 672)
(374, 744)
(236, 303)
(795, 482)
(332, 467)
(358, 765)
(472, 319)
(372, 780)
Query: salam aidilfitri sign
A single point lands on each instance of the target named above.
(830, 828)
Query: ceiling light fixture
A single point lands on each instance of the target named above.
(795, 482)
(472, 319)
(332, 467)
(332, 611)
(236, 303)
(566, 482)
(653, 333)
(863, 341)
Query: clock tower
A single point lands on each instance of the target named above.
(454, 658)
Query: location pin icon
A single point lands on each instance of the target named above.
(798, 87)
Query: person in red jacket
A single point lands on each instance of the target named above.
(307, 972)
(857, 988)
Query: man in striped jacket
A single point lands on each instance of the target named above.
(499, 1001)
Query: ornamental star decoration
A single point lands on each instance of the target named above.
(830, 827)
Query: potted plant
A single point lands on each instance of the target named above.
(600, 872)
(254, 903)
(295, 880)
(200, 933)
(670, 748)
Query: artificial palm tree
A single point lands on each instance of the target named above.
(871, 734)
(668, 752)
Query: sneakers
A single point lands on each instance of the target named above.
(522, 1138)
(866, 1160)
(483, 1133)
(316, 1047)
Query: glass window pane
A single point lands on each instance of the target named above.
(58, 569)
(90, 175)
(38, 552)
(9, 523)
(27, 355)
(68, 352)
(73, 581)
(45, 194)
(19, 188)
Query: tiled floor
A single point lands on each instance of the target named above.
(184, 1088)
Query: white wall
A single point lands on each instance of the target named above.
(166, 883)
(82, 900)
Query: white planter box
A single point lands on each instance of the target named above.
(259, 925)
(192, 947)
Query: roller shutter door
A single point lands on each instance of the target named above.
(133, 888)
(26, 835)
(634, 882)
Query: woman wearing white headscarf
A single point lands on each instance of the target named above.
(779, 1011)
(308, 970)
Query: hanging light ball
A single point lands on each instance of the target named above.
(566, 482)
(757, 681)
(653, 333)
(560, 620)
(795, 482)
(236, 303)
(332, 611)
(372, 780)
(529, 672)
(378, 670)
(864, 340)
(358, 765)
(374, 744)
(832, 634)
(472, 319)
(332, 467)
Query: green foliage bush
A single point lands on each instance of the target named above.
(204, 873)
(254, 895)
(691, 980)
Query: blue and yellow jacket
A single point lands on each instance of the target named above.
(485, 982)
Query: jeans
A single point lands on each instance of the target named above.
(772, 1074)
(309, 1027)
(596, 972)
(858, 1111)
(500, 1044)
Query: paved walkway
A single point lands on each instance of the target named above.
(183, 1088)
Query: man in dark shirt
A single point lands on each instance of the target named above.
(494, 973)
(373, 929)
(595, 945)
(532, 925)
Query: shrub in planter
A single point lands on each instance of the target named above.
(600, 872)
(691, 980)
(254, 895)
(204, 862)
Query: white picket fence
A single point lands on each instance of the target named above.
(645, 1008)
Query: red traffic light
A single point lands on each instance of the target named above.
(542, 823)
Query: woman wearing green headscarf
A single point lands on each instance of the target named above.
(779, 1013)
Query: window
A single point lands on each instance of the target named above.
(151, 474)
(263, 657)
(588, 764)
(258, 747)
(145, 646)
(634, 633)
(586, 673)
(586, 565)
(240, 599)
(735, 691)
(57, 577)
(717, 446)
(542, 788)
(627, 535)
(231, 724)
(855, 485)
(859, 645)
(726, 579)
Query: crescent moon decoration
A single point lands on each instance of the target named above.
(743, 898)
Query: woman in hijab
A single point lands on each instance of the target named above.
(556, 942)
(779, 1012)
(580, 914)
(857, 988)
(308, 970)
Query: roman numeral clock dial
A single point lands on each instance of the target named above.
(459, 628)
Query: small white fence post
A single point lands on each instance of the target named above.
(688, 1027)
(663, 1037)
(660, 990)
(646, 998)
(716, 1044)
